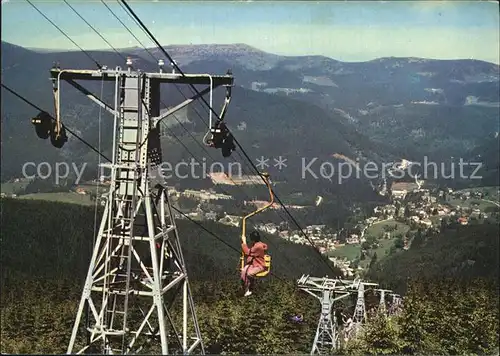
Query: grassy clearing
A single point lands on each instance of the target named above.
(351, 252)
(491, 192)
(376, 230)
(13, 187)
(63, 197)
(472, 203)
(348, 251)
(381, 251)
(384, 247)
(92, 187)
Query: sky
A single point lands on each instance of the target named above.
(344, 30)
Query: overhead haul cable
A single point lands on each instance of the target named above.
(65, 127)
(140, 22)
(108, 43)
(64, 33)
(93, 29)
(215, 113)
(146, 30)
(179, 122)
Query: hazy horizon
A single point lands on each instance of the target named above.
(346, 31)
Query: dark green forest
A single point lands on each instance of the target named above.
(465, 252)
(45, 251)
(57, 240)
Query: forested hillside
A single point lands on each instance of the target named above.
(440, 317)
(459, 252)
(45, 248)
(452, 287)
(56, 239)
(274, 125)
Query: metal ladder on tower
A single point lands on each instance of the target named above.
(125, 201)
(326, 334)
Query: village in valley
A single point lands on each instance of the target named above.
(413, 211)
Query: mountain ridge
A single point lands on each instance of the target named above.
(375, 109)
(248, 48)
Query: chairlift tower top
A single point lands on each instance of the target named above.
(137, 268)
(327, 291)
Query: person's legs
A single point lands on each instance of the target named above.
(244, 277)
(250, 272)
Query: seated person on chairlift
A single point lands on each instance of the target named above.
(255, 262)
(299, 318)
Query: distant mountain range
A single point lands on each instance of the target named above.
(313, 106)
(384, 81)
(419, 106)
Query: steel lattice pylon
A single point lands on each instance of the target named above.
(359, 316)
(328, 291)
(137, 268)
(382, 303)
(396, 304)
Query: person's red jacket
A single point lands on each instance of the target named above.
(255, 254)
